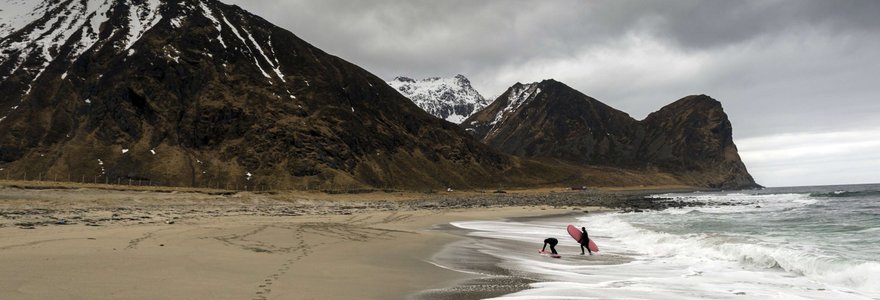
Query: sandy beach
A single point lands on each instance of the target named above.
(98, 244)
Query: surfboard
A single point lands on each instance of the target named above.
(576, 234)
(548, 253)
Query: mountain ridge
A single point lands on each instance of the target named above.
(690, 138)
(200, 93)
(197, 93)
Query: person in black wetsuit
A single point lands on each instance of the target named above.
(585, 241)
(552, 242)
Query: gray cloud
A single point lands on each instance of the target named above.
(780, 67)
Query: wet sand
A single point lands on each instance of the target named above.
(94, 244)
(494, 277)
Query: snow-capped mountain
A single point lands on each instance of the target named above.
(487, 123)
(192, 92)
(452, 99)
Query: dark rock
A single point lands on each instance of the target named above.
(691, 139)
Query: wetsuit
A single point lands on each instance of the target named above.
(585, 241)
(552, 242)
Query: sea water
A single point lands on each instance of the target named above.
(776, 243)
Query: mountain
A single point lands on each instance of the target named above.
(690, 139)
(199, 93)
(549, 119)
(451, 99)
(694, 138)
(196, 92)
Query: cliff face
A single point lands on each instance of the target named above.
(694, 138)
(690, 139)
(197, 92)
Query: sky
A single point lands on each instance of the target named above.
(799, 79)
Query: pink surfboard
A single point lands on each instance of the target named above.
(548, 253)
(576, 234)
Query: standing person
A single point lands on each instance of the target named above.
(552, 242)
(585, 241)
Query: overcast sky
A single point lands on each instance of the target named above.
(800, 80)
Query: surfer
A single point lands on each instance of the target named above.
(585, 241)
(552, 242)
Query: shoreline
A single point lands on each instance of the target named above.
(494, 276)
(28, 206)
(247, 245)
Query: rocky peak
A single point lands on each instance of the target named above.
(550, 119)
(404, 79)
(690, 103)
(691, 138)
(452, 99)
(694, 137)
(462, 81)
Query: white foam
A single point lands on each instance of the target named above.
(738, 202)
(779, 264)
(512, 230)
(677, 266)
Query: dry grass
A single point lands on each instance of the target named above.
(112, 187)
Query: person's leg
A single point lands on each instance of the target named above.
(553, 249)
(582, 249)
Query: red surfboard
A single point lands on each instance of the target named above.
(576, 234)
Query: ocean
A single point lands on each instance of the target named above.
(777, 243)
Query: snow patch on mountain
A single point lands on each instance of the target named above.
(518, 96)
(17, 14)
(275, 67)
(452, 99)
(141, 17)
(210, 15)
(40, 36)
(507, 105)
(248, 47)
